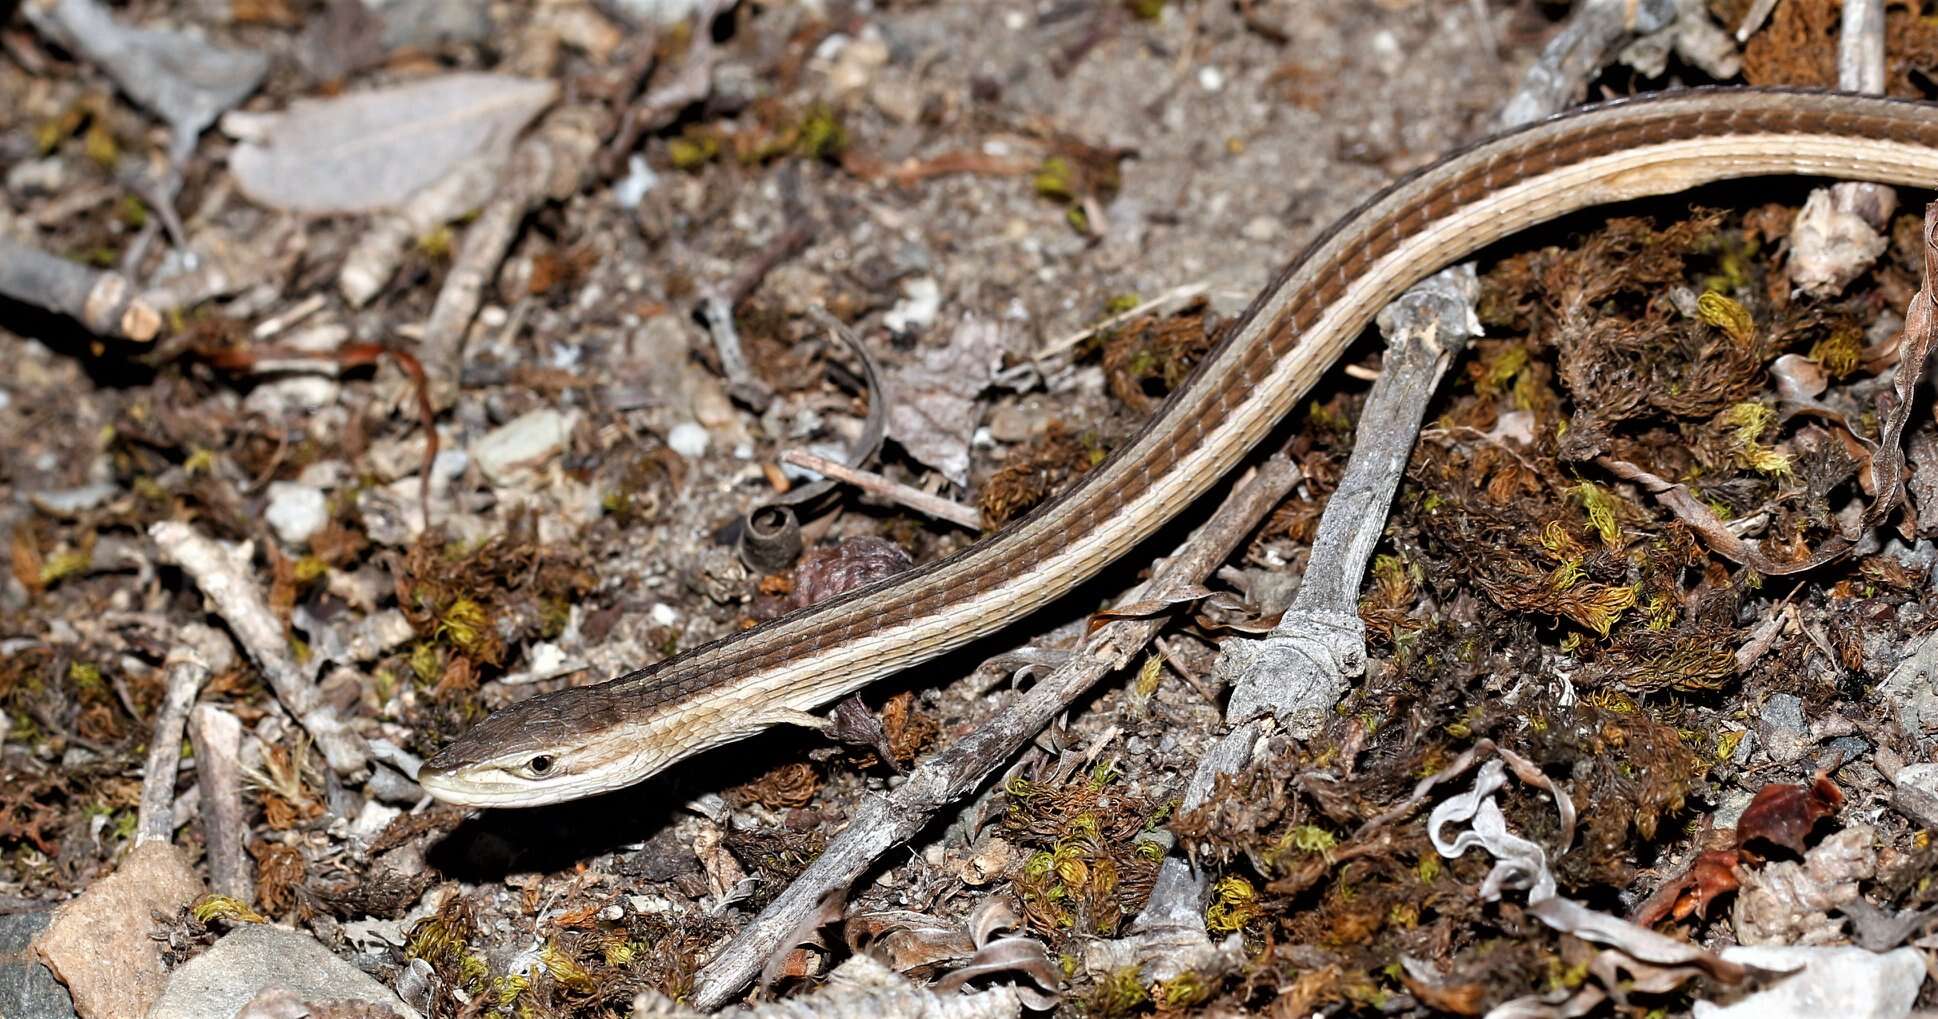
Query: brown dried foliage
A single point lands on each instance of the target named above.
(1780, 815)
(1148, 357)
(1031, 474)
(1085, 875)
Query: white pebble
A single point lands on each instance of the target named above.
(295, 511)
(687, 439)
(921, 300)
(663, 614)
(523, 442)
(634, 186)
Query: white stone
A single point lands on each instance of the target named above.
(687, 439)
(1846, 982)
(295, 511)
(921, 300)
(634, 186)
(506, 452)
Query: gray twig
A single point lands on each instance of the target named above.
(1596, 30)
(217, 737)
(885, 822)
(894, 491)
(104, 302)
(241, 604)
(1300, 670)
(155, 818)
(551, 163)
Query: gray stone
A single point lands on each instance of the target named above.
(1911, 690)
(1917, 793)
(1785, 737)
(27, 989)
(259, 957)
(1848, 983)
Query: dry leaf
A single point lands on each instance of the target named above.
(1710, 876)
(372, 150)
(933, 412)
(186, 80)
(1783, 814)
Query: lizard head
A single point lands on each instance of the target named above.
(556, 746)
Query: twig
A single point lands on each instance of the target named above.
(1760, 641)
(885, 822)
(241, 604)
(104, 302)
(716, 312)
(225, 266)
(792, 241)
(1299, 672)
(1595, 31)
(380, 250)
(551, 163)
(659, 106)
(155, 818)
(894, 491)
(217, 737)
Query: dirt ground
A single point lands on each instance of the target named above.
(969, 185)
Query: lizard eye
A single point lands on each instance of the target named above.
(540, 765)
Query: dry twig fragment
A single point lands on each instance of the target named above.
(104, 302)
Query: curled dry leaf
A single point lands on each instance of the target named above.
(1783, 814)
(1022, 956)
(1711, 876)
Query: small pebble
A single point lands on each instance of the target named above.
(523, 442)
(634, 186)
(295, 511)
(921, 300)
(687, 439)
(663, 614)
